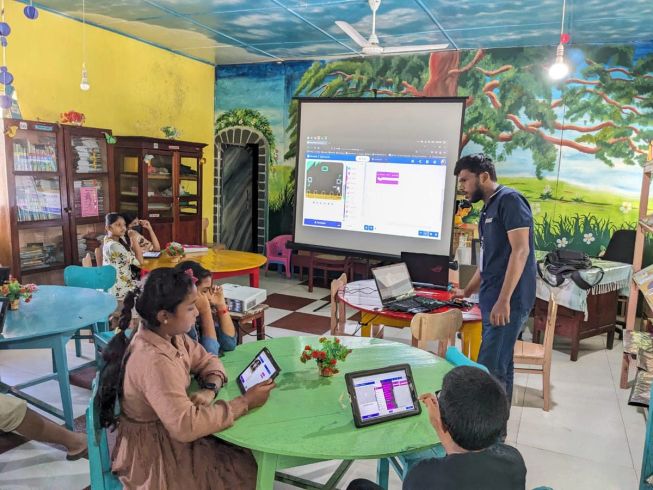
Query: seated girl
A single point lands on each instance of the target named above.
(164, 435)
(139, 226)
(214, 328)
(116, 254)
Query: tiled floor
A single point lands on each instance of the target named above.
(590, 439)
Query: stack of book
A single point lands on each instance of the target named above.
(88, 157)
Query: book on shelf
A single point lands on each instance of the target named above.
(34, 157)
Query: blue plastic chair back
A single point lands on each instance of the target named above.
(457, 358)
(98, 449)
(90, 277)
(647, 458)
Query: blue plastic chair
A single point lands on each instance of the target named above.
(99, 460)
(401, 464)
(647, 457)
(101, 278)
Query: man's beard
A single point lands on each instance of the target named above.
(476, 196)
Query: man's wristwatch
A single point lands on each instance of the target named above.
(209, 386)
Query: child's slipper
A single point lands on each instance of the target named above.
(79, 455)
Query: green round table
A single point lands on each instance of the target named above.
(308, 418)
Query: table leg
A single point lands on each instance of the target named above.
(267, 467)
(625, 365)
(260, 327)
(310, 275)
(59, 352)
(382, 473)
(254, 278)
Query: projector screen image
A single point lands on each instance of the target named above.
(376, 175)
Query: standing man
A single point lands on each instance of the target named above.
(506, 269)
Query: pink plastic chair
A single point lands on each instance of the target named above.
(277, 253)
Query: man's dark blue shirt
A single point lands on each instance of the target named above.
(506, 210)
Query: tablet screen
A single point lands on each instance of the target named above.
(384, 394)
(260, 369)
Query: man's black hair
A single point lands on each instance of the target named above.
(476, 164)
(473, 407)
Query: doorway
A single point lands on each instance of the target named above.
(239, 212)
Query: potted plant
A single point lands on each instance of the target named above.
(175, 251)
(14, 291)
(327, 356)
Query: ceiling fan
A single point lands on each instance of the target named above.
(372, 47)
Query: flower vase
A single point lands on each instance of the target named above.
(14, 304)
(175, 259)
(326, 371)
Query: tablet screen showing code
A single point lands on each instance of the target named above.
(260, 369)
(382, 395)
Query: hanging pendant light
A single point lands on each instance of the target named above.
(560, 69)
(84, 84)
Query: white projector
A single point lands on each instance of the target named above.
(242, 298)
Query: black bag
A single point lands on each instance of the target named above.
(565, 264)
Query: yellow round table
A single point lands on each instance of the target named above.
(221, 263)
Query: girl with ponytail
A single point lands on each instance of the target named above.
(164, 435)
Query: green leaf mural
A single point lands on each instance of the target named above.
(249, 118)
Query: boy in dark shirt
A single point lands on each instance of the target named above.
(469, 414)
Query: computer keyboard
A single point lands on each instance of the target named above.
(416, 304)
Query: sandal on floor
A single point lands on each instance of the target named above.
(81, 454)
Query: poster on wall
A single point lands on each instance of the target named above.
(89, 201)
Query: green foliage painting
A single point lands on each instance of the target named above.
(573, 148)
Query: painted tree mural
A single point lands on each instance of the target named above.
(604, 112)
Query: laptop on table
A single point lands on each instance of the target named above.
(397, 293)
(426, 270)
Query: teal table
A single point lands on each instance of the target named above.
(48, 322)
(308, 418)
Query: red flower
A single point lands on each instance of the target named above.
(308, 347)
(315, 354)
(333, 361)
(322, 355)
(326, 371)
(337, 341)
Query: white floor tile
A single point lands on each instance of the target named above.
(274, 314)
(565, 472)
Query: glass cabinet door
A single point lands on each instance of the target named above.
(127, 170)
(158, 169)
(37, 198)
(34, 151)
(41, 248)
(188, 186)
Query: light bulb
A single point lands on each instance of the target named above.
(84, 84)
(559, 69)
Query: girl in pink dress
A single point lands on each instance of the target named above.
(164, 436)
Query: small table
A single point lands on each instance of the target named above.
(222, 263)
(581, 313)
(308, 418)
(255, 316)
(364, 296)
(48, 322)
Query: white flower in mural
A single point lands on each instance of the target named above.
(626, 207)
(536, 208)
(588, 238)
(562, 242)
(547, 190)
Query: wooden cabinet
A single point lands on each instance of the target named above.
(59, 185)
(161, 181)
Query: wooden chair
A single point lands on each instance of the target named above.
(339, 311)
(440, 327)
(539, 354)
(328, 263)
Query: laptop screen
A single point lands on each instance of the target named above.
(427, 268)
(393, 281)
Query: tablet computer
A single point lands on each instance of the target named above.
(262, 368)
(382, 394)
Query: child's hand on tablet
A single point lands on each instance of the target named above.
(257, 395)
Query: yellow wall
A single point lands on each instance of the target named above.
(135, 88)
